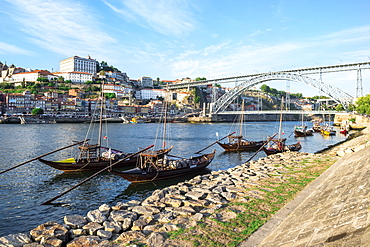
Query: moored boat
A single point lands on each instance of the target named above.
(153, 167)
(237, 142)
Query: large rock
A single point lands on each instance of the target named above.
(126, 224)
(50, 229)
(52, 242)
(121, 215)
(92, 227)
(96, 216)
(105, 209)
(145, 210)
(112, 226)
(130, 237)
(155, 240)
(75, 221)
(196, 195)
(73, 233)
(104, 234)
(139, 225)
(172, 202)
(15, 240)
(85, 241)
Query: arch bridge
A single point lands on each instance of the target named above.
(297, 75)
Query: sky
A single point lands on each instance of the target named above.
(174, 39)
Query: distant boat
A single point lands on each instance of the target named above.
(278, 145)
(237, 142)
(302, 130)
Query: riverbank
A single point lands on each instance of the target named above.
(208, 209)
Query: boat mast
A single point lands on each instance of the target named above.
(101, 114)
(165, 118)
(281, 118)
(241, 120)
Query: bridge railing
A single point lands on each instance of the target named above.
(321, 112)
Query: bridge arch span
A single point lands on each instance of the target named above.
(338, 95)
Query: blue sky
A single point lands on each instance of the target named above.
(174, 39)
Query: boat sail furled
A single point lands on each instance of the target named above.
(237, 142)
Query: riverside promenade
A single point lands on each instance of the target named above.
(332, 211)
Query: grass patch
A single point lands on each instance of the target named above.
(276, 191)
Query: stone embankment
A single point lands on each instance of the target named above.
(177, 207)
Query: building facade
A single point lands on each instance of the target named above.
(79, 64)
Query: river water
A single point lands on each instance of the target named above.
(24, 189)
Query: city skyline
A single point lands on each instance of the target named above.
(176, 39)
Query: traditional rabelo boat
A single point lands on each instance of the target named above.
(237, 142)
(154, 166)
(302, 130)
(278, 145)
(157, 167)
(95, 156)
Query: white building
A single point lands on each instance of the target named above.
(32, 76)
(78, 64)
(150, 94)
(116, 76)
(145, 81)
(75, 76)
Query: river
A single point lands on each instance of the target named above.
(24, 189)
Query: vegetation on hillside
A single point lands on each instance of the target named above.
(274, 92)
(363, 105)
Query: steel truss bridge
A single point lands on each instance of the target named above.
(298, 75)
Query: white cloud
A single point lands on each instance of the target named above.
(12, 49)
(166, 17)
(65, 27)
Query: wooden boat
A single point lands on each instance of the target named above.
(302, 131)
(237, 143)
(328, 130)
(278, 145)
(95, 156)
(89, 159)
(316, 126)
(153, 167)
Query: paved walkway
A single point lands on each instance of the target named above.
(334, 210)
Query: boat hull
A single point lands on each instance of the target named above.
(137, 175)
(84, 165)
(251, 146)
(298, 133)
(293, 148)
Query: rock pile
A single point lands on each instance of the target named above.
(148, 221)
(353, 145)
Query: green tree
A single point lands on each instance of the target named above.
(109, 95)
(200, 79)
(37, 111)
(339, 107)
(363, 105)
(42, 79)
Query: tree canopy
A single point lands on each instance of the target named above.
(363, 105)
(37, 111)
